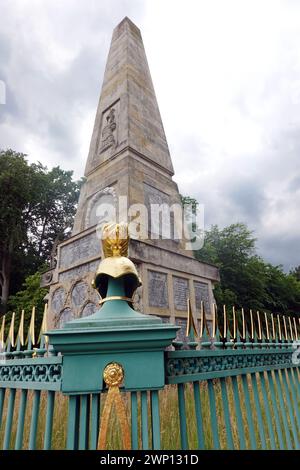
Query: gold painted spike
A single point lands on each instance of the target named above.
(291, 328)
(267, 326)
(286, 336)
(274, 333)
(31, 332)
(295, 329)
(251, 325)
(20, 337)
(279, 327)
(214, 321)
(234, 332)
(224, 326)
(2, 342)
(44, 326)
(190, 326)
(243, 324)
(202, 320)
(11, 333)
(259, 325)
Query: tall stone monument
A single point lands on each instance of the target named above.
(128, 159)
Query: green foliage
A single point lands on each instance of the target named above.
(30, 295)
(37, 209)
(246, 280)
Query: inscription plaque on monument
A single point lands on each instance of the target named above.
(157, 289)
(181, 292)
(202, 294)
(82, 248)
(160, 225)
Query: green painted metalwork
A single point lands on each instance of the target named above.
(95, 421)
(295, 405)
(9, 419)
(134, 421)
(213, 415)
(144, 415)
(258, 412)
(182, 416)
(275, 410)
(234, 370)
(21, 420)
(238, 411)
(283, 411)
(49, 420)
(267, 410)
(230, 444)
(249, 412)
(198, 412)
(155, 418)
(34, 419)
(73, 423)
(287, 399)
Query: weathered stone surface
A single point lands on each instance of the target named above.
(79, 293)
(58, 299)
(158, 289)
(65, 315)
(78, 272)
(78, 250)
(128, 156)
(202, 294)
(88, 309)
(181, 292)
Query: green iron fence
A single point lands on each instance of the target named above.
(235, 384)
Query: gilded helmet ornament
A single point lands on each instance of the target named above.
(115, 262)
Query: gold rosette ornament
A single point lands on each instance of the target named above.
(113, 376)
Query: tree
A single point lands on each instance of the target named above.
(296, 273)
(37, 207)
(30, 295)
(246, 280)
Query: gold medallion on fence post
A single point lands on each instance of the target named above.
(113, 376)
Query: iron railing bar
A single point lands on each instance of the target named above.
(34, 419)
(290, 408)
(95, 421)
(282, 410)
(258, 412)
(213, 414)
(49, 420)
(229, 437)
(134, 421)
(249, 412)
(238, 412)
(295, 381)
(198, 413)
(182, 417)
(21, 420)
(294, 396)
(275, 410)
(2, 397)
(9, 419)
(267, 410)
(144, 416)
(155, 419)
(73, 423)
(84, 422)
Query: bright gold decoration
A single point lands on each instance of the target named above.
(190, 326)
(11, 333)
(2, 342)
(115, 241)
(20, 337)
(113, 376)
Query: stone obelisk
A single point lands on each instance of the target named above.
(128, 159)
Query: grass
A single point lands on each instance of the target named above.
(170, 422)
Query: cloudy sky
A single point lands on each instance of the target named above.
(227, 79)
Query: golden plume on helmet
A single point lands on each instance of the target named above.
(115, 262)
